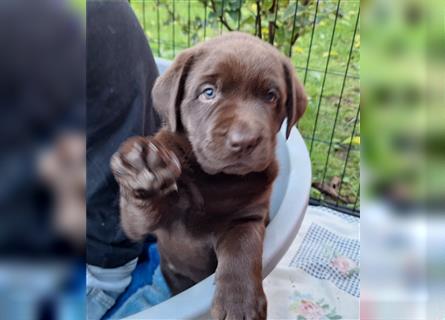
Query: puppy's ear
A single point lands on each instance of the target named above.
(169, 89)
(296, 100)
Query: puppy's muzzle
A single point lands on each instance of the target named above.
(242, 139)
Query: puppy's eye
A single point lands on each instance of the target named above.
(208, 93)
(272, 96)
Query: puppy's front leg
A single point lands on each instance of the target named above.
(239, 291)
(146, 172)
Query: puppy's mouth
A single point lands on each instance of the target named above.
(230, 165)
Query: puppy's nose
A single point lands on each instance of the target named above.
(242, 139)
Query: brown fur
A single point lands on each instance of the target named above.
(202, 185)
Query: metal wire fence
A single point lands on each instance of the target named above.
(322, 37)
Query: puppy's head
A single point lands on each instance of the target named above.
(230, 96)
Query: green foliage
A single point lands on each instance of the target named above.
(270, 20)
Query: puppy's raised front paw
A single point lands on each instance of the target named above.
(145, 167)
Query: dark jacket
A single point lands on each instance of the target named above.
(120, 74)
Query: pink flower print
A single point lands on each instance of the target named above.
(344, 265)
(310, 310)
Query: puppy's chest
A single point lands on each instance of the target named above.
(222, 194)
(203, 203)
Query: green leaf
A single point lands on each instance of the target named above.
(234, 15)
(290, 11)
(266, 4)
(211, 15)
(271, 16)
(353, 140)
(234, 4)
(250, 20)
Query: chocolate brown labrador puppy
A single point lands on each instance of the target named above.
(202, 184)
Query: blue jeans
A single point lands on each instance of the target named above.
(104, 286)
(119, 292)
(145, 297)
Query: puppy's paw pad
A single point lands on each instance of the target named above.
(129, 158)
(145, 167)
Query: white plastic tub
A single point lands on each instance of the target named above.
(289, 201)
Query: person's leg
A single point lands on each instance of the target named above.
(120, 74)
(104, 285)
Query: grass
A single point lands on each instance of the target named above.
(330, 157)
